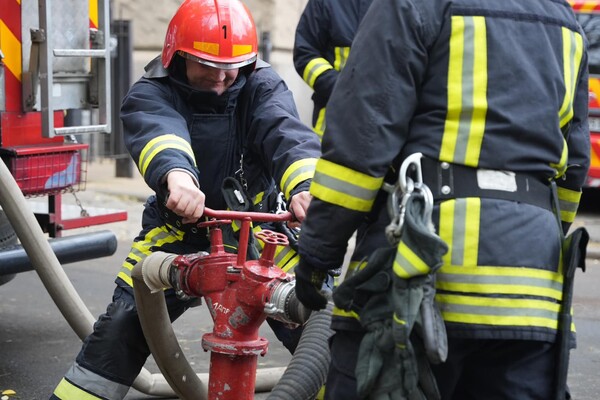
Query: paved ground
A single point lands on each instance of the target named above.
(37, 346)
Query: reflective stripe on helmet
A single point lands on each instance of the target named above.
(215, 64)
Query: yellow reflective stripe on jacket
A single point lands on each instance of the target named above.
(299, 171)
(157, 237)
(486, 280)
(159, 144)
(67, 391)
(320, 125)
(408, 264)
(568, 203)
(259, 197)
(285, 257)
(572, 54)
(498, 311)
(459, 228)
(344, 187)
(237, 225)
(561, 166)
(315, 68)
(341, 56)
(321, 393)
(338, 312)
(467, 92)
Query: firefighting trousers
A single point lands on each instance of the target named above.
(475, 369)
(114, 354)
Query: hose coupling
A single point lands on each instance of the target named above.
(284, 306)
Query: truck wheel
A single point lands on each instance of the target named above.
(8, 237)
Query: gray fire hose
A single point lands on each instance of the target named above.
(53, 276)
(302, 379)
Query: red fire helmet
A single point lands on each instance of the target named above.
(219, 33)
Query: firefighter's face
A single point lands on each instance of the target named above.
(203, 77)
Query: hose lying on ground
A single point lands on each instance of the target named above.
(53, 276)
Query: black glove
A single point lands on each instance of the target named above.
(308, 286)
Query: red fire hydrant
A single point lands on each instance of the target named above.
(239, 294)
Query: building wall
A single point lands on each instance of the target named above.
(278, 17)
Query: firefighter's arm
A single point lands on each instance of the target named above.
(298, 206)
(311, 42)
(367, 124)
(288, 148)
(155, 134)
(185, 197)
(578, 142)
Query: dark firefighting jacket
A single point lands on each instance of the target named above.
(496, 89)
(322, 45)
(252, 132)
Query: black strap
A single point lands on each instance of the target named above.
(451, 181)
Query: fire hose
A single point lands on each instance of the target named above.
(240, 294)
(79, 318)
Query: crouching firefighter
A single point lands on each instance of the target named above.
(207, 109)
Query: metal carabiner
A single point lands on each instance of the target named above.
(407, 184)
(427, 200)
(281, 206)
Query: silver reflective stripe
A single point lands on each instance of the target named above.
(500, 280)
(291, 178)
(528, 312)
(156, 240)
(568, 206)
(95, 383)
(458, 237)
(345, 187)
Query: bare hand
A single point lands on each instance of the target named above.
(185, 198)
(298, 206)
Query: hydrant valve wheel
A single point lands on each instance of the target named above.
(270, 237)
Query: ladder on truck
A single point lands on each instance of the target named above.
(66, 80)
(41, 70)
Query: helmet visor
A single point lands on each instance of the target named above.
(214, 64)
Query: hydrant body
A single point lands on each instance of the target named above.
(238, 293)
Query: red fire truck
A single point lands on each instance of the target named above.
(55, 89)
(588, 15)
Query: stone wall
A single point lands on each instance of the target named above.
(279, 17)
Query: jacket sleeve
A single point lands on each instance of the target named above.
(578, 144)
(367, 122)
(288, 148)
(311, 43)
(155, 134)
